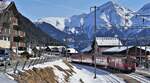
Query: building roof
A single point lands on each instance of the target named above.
(72, 50)
(123, 48)
(143, 48)
(38, 47)
(108, 41)
(56, 47)
(86, 49)
(117, 49)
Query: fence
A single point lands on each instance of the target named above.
(21, 65)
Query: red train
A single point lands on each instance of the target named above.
(125, 64)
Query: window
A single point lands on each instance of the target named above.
(5, 38)
(14, 20)
(1, 27)
(8, 38)
(9, 31)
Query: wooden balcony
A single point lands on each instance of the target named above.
(16, 27)
(18, 39)
(21, 44)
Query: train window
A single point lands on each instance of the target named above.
(125, 60)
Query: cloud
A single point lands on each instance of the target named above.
(51, 3)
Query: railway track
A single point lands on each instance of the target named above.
(139, 78)
(108, 80)
(129, 78)
(108, 77)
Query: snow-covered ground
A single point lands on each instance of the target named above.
(86, 73)
(139, 78)
(81, 74)
(4, 78)
(76, 74)
(143, 70)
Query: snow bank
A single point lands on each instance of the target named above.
(4, 78)
(63, 72)
(86, 74)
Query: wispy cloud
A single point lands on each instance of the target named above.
(51, 3)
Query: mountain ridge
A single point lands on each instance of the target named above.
(112, 19)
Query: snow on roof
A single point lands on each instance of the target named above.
(29, 50)
(56, 47)
(117, 49)
(86, 49)
(108, 41)
(38, 47)
(72, 50)
(143, 48)
(122, 48)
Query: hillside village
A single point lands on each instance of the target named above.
(77, 49)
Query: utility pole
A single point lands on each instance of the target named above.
(126, 20)
(95, 40)
(82, 25)
(66, 42)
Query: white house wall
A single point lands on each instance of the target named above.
(4, 44)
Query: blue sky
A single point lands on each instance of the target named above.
(35, 9)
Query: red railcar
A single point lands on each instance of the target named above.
(121, 63)
(125, 64)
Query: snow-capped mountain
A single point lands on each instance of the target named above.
(142, 17)
(52, 31)
(143, 20)
(111, 19)
(108, 15)
(57, 22)
(145, 9)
